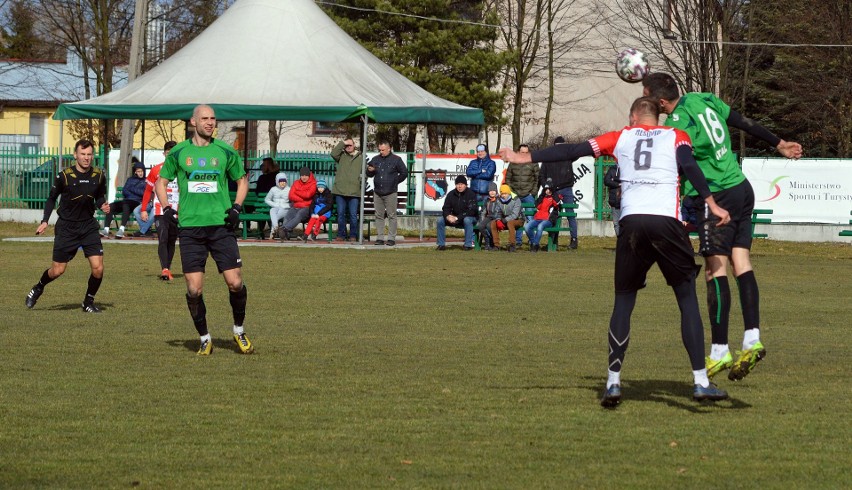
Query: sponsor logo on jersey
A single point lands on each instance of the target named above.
(202, 162)
(188, 161)
(214, 161)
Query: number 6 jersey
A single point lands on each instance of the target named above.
(647, 163)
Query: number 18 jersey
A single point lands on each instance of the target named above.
(647, 165)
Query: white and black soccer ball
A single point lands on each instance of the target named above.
(632, 65)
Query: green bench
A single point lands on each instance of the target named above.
(566, 211)
(846, 232)
(756, 219)
(254, 209)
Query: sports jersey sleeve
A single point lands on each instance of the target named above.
(686, 162)
(150, 182)
(751, 127)
(235, 166)
(55, 191)
(100, 192)
(605, 143)
(169, 168)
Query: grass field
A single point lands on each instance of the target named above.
(413, 369)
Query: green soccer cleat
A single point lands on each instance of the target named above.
(715, 367)
(243, 343)
(746, 361)
(206, 348)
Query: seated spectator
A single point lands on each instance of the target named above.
(613, 183)
(546, 213)
(459, 210)
(487, 214)
(278, 200)
(131, 193)
(510, 216)
(321, 211)
(144, 225)
(301, 195)
(268, 176)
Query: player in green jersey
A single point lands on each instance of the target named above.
(706, 118)
(202, 166)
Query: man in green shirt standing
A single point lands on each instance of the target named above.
(202, 166)
(705, 118)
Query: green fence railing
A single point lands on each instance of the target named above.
(25, 178)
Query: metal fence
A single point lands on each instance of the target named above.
(25, 178)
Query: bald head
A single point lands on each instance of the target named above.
(204, 121)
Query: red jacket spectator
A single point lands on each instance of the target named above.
(302, 193)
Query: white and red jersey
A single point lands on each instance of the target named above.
(171, 191)
(647, 165)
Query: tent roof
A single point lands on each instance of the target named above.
(274, 59)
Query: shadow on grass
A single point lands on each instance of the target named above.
(192, 345)
(675, 394)
(79, 306)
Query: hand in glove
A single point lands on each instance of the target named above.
(232, 217)
(169, 215)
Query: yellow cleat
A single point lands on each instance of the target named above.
(206, 348)
(716, 367)
(243, 343)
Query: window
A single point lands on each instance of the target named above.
(324, 128)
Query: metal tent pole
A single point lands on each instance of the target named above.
(423, 183)
(363, 179)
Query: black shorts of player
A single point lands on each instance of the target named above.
(73, 235)
(739, 202)
(217, 241)
(646, 239)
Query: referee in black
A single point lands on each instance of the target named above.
(83, 188)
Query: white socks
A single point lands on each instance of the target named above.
(613, 378)
(718, 351)
(238, 330)
(700, 377)
(750, 337)
(205, 338)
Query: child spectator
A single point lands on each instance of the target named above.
(509, 216)
(487, 215)
(321, 211)
(278, 199)
(546, 212)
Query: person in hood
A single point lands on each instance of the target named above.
(487, 214)
(320, 211)
(278, 200)
(481, 171)
(134, 188)
(301, 195)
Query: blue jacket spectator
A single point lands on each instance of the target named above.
(481, 172)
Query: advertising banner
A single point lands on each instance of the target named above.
(441, 172)
(802, 191)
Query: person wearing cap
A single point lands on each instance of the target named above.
(387, 171)
(347, 187)
(301, 195)
(561, 176)
(509, 216)
(459, 211)
(278, 200)
(487, 214)
(546, 212)
(320, 211)
(481, 171)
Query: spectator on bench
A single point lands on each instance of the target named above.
(546, 213)
(510, 216)
(487, 215)
(460, 209)
(301, 195)
(320, 211)
(132, 192)
(278, 200)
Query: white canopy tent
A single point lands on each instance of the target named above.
(279, 60)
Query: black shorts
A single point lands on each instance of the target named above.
(73, 235)
(646, 239)
(739, 202)
(217, 241)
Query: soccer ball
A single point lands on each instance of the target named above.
(632, 65)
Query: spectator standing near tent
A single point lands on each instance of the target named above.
(388, 171)
(166, 229)
(481, 171)
(203, 165)
(82, 188)
(347, 188)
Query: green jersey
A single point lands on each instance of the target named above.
(704, 117)
(202, 174)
